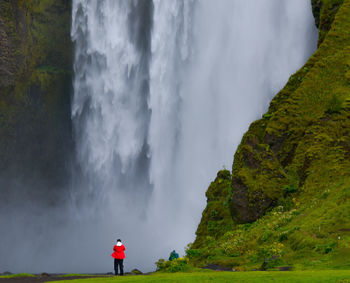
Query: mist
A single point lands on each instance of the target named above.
(163, 93)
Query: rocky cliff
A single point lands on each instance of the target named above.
(291, 172)
(35, 89)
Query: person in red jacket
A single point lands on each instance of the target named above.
(119, 256)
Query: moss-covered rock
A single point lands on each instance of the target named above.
(324, 12)
(216, 218)
(35, 89)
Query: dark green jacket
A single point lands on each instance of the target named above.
(173, 255)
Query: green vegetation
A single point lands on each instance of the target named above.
(290, 196)
(17, 275)
(340, 276)
(335, 105)
(176, 265)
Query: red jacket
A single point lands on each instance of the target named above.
(118, 252)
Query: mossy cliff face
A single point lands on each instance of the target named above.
(35, 88)
(216, 218)
(291, 172)
(297, 135)
(324, 12)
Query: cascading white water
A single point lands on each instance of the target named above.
(163, 92)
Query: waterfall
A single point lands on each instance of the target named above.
(163, 92)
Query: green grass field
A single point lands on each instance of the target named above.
(213, 276)
(17, 275)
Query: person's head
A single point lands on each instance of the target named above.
(119, 240)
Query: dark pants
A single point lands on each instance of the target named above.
(118, 262)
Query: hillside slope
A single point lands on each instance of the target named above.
(290, 197)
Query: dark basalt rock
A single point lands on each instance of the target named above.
(245, 209)
(217, 267)
(44, 274)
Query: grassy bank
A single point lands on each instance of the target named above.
(17, 275)
(212, 276)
